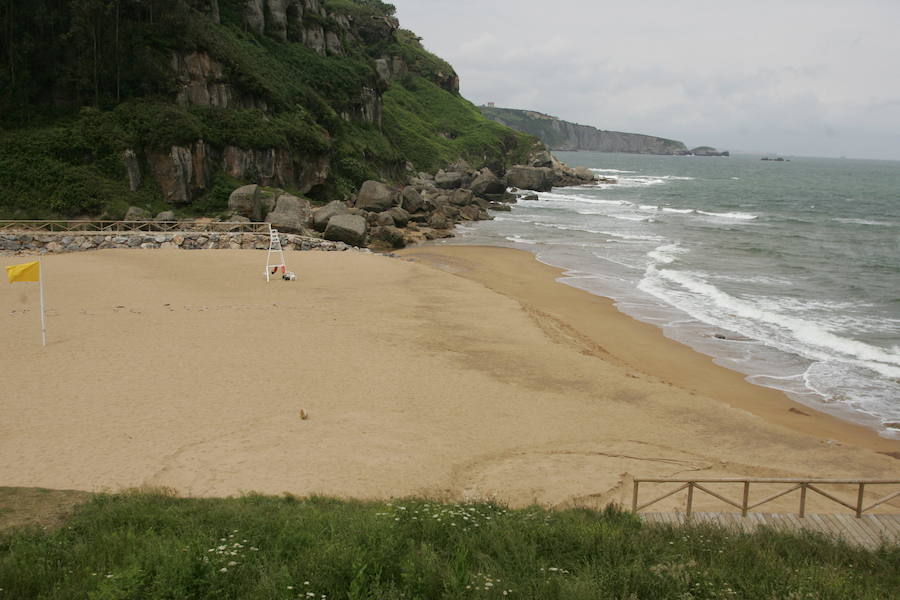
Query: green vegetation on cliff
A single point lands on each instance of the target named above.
(159, 547)
(310, 96)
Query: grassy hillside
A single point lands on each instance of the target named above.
(83, 81)
(155, 547)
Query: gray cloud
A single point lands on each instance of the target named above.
(805, 78)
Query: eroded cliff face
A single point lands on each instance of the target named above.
(185, 171)
(572, 136)
(203, 82)
(563, 135)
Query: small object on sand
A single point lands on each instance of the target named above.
(303, 415)
(289, 276)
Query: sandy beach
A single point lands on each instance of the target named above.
(451, 372)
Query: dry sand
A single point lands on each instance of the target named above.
(480, 378)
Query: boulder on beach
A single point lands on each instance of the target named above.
(449, 180)
(375, 196)
(400, 216)
(322, 215)
(487, 183)
(347, 228)
(251, 201)
(291, 214)
(462, 197)
(392, 236)
(135, 213)
(411, 200)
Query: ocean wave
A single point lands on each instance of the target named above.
(755, 279)
(686, 211)
(562, 227)
(666, 253)
(707, 303)
(730, 215)
(556, 196)
(865, 222)
(520, 240)
(633, 218)
(568, 198)
(838, 382)
(667, 209)
(611, 171)
(618, 262)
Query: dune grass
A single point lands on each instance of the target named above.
(151, 545)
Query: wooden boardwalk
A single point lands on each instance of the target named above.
(869, 531)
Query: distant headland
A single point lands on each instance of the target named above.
(564, 135)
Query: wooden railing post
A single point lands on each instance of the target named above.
(802, 500)
(859, 500)
(746, 500)
(690, 497)
(634, 497)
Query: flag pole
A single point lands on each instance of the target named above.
(41, 283)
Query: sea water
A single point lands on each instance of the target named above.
(788, 272)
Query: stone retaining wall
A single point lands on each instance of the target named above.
(13, 242)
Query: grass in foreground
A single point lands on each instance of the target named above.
(153, 546)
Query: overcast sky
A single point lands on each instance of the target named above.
(792, 77)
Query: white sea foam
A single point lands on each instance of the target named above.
(710, 304)
(632, 218)
(865, 222)
(685, 211)
(666, 254)
(667, 209)
(755, 279)
(570, 198)
(520, 240)
(730, 215)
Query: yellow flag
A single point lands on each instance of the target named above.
(25, 272)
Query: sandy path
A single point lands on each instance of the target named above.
(185, 369)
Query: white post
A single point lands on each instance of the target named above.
(41, 284)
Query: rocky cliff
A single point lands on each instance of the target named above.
(174, 103)
(563, 135)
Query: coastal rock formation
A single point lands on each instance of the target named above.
(539, 179)
(563, 135)
(708, 151)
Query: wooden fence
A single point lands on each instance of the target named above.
(804, 485)
(130, 227)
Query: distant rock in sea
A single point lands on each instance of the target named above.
(708, 151)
